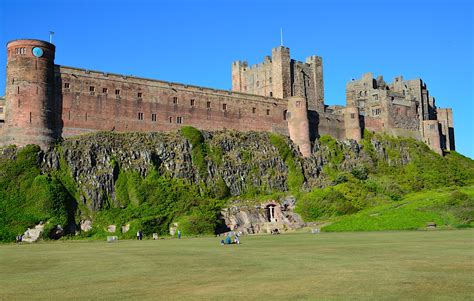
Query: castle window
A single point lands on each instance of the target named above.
(376, 112)
(105, 90)
(352, 115)
(298, 103)
(254, 110)
(30, 117)
(139, 94)
(140, 116)
(271, 94)
(18, 90)
(91, 88)
(208, 104)
(117, 92)
(153, 117)
(192, 102)
(268, 112)
(270, 80)
(258, 83)
(376, 97)
(224, 107)
(179, 120)
(66, 85)
(171, 119)
(175, 100)
(285, 114)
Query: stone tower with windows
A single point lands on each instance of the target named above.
(31, 112)
(281, 77)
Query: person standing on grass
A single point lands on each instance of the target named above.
(138, 235)
(179, 234)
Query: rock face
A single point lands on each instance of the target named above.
(263, 218)
(32, 235)
(86, 225)
(243, 161)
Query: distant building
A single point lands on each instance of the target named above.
(45, 101)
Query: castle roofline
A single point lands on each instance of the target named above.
(230, 92)
(33, 40)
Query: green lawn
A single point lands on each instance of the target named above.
(418, 265)
(447, 207)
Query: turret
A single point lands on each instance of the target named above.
(298, 124)
(431, 135)
(237, 79)
(316, 63)
(30, 110)
(281, 80)
(352, 123)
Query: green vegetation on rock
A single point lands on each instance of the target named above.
(27, 197)
(295, 174)
(195, 138)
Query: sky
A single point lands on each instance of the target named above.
(195, 42)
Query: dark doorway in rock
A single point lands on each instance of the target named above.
(270, 210)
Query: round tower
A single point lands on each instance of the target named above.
(30, 104)
(298, 124)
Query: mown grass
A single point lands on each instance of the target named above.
(448, 208)
(418, 265)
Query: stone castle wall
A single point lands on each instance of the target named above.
(99, 101)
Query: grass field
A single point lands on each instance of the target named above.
(421, 265)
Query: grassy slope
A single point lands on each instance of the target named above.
(424, 265)
(412, 212)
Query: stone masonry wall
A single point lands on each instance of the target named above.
(94, 101)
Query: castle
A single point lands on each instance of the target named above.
(45, 101)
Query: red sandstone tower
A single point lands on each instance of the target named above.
(31, 110)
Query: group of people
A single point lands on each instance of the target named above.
(19, 238)
(139, 235)
(228, 239)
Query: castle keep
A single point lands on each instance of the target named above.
(45, 101)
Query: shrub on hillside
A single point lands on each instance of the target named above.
(324, 203)
(360, 172)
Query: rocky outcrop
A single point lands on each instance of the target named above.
(263, 218)
(33, 234)
(243, 161)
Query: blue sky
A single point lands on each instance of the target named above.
(195, 42)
